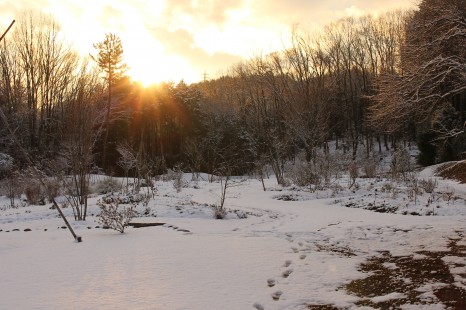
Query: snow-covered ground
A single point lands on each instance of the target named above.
(271, 252)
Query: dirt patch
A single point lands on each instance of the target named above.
(288, 197)
(409, 278)
(342, 251)
(454, 170)
(380, 208)
(424, 278)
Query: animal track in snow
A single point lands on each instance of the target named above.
(271, 282)
(287, 273)
(289, 237)
(276, 295)
(185, 231)
(287, 263)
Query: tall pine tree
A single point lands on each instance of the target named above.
(110, 60)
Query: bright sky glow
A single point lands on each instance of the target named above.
(181, 39)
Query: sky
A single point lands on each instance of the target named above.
(170, 40)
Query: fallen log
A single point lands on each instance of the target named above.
(140, 225)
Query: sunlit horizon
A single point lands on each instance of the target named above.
(174, 40)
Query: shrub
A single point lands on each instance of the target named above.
(219, 209)
(331, 165)
(108, 185)
(428, 185)
(176, 177)
(324, 167)
(353, 172)
(400, 164)
(178, 183)
(219, 212)
(33, 193)
(448, 195)
(387, 187)
(370, 169)
(125, 199)
(301, 174)
(115, 217)
(336, 188)
(14, 186)
(52, 189)
(413, 187)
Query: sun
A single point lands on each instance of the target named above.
(149, 63)
(145, 75)
(153, 68)
(144, 57)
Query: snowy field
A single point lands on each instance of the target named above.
(283, 248)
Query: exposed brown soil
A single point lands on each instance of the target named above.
(454, 170)
(407, 275)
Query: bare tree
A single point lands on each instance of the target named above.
(193, 153)
(35, 171)
(128, 159)
(46, 63)
(82, 129)
(431, 82)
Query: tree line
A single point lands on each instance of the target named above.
(367, 83)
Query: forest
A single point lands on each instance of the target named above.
(369, 84)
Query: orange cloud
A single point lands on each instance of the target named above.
(181, 42)
(192, 35)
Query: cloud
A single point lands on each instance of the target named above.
(112, 17)
(202, 34)
(205, 11)
(311, 14)
(181, 42)
(12, 9)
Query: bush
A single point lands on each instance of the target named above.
(353, 171)
(176, 177)
(115, 217)
(52, 189)
(178, 184)
(125, 199)
(428, 185)
(401, 163)
(324, 167)
(108, 185)
(387, 187)
(14, 185)
(331, 165)
(370, 169)
(33, 193)
(219, 212)
(301, 174)
(413, 187)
